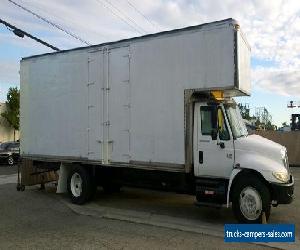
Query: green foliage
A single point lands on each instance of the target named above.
(12, 114)
(257, 122)
(245, 112)
(270, 126)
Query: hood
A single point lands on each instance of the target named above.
(261, 146)
(262, 155)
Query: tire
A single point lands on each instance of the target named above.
(81, 185)
(10, 161)
(250, 198)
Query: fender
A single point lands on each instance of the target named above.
(260, 163)
(233, 174)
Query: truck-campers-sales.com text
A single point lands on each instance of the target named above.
(270, 234)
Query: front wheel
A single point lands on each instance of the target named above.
(250, 198)
(81, 184)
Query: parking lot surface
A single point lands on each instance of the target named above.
(6, 170)
(132, 219)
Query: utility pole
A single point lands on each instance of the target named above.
(22, 33)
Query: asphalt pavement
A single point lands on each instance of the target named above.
(6, 170)
(44, 220)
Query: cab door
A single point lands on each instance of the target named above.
(213, 142)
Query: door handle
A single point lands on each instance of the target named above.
(221, 144)
(201, 157)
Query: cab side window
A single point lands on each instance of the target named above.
(206, 120)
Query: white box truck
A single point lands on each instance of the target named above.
(154, 111)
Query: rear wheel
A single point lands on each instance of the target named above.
(250, 199)
(81, 184)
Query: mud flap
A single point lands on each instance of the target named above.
(62, 180)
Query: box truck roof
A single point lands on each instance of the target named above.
(150, 36)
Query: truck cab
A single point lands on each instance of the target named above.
(231, 166)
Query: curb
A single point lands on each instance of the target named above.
(165, 221)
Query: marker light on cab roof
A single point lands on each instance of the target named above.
(218, 94)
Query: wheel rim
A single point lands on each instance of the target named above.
(250, 203)
(76, 185)
(10, 161)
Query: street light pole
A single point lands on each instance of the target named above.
(22, 33)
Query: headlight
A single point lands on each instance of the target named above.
(281, 176)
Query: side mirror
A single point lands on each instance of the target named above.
(214, 134)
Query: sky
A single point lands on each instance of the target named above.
(272, 28)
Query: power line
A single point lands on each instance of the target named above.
(125, 15)
(119, 16)
(21, 33)
(51, 23)
(143, 15)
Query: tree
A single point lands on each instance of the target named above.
(270, 126)
(12, 114)
(257, 123)
(245, 111)
(284, 124)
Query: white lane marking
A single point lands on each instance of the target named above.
(6, 179)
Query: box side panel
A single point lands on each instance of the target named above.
(24, 106)
(197, 60)
(243, 67)
(157, 123)
(160, 71)
(54, 105)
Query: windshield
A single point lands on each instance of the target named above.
(237, 124)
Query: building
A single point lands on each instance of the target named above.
(6, 132)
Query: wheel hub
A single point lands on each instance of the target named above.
(250, 203)
(76, 185)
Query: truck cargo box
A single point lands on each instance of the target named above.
(123, 102)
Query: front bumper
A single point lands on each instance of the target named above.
(283, 193)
